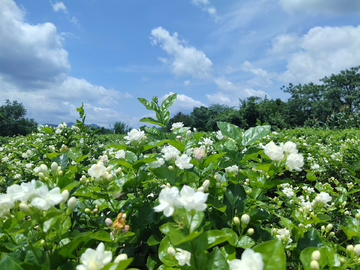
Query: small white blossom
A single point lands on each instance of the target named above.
(135, 136)
(273, 151)
(169, 199)
(249, 260)
(193, 200)
(183, 256)
(94, 259)
(170, 152)
(177, 125)
(97, 170)
(183, 162)
(295, 162)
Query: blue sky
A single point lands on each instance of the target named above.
(54, 55)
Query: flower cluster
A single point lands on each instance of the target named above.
(188, 198)
(294, 161)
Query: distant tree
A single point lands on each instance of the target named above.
(121, 128)
(13, 121)
(199, 118)
(104, 131)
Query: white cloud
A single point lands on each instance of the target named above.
(59, 6)
(29, 54)
(185, 60)
(327, 7)
(33, 71)
(186, 83)
(205, 5)
(183, 103)
(282, 44)
(323, 51)
(262, 77)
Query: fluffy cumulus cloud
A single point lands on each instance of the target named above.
(262, 77)
(206, 6)
(327, 7)
(186, 60)
(29, 54)
(34, 70)
(183, 103)
(319, 53)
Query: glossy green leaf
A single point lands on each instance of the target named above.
(230, 130)
(151, 121)
(150, 105)
(10, 263)
(216, 260)
(74, 153)
(254, 133)
(311, 239)
(167, 102)
(305, 257)
(273, 255)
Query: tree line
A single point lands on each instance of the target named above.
(336, 97)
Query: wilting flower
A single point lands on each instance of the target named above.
(295, 162)
(249, 260)
(199, 152)
(169, 199)
(183, 162)
(135, 136)
(273, 151)
(94, 259)
(97, 170)
(193, 200)
(183, 256)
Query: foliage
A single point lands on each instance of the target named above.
(12, 121)
(121, 128)
(236, 205)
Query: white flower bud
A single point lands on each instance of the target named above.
(331, 234)
(178, 137)
(202, 189)
(357, 249)
(60, 173)
(95, 210)
(250, 231)
(322, 228)
(43, 168)
(121, 257)
(342, 260)
(316, 255)
(108, 222)
(350, 248)
(357, 216)
(110, 177)
(206, 184)
(65, 194)
(329, 227)
(72, 203)
(108, 168)
(171, 168)
(54, 166)
(236, 221)
(245, 218)
(171, 251)
(41, 175)
(116, 195)
(42, 242)
(314, 265)
(87, 211)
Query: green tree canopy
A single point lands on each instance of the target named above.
(13, 121)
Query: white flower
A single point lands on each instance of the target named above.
(183, 256)
(183, 162)
(290, 148)
(295, 162)
(250, 260)
(199, 152)
(169, 199)
(219, 177)
(97, 170)
(273, 151)
(6, 201)
(193, 200)
(315, 167)
(46, 198)
(323, 197)
(177, 125)
(120, 154)
(135, 136)
(22, 192)
(234, 169)
(219, 135)
(121, 257)
(207, 142)
(156, 164)
(170, 152)
(288, 191)
(94, 259)
(104, 159)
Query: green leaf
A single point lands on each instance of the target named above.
(141, 162)
(168, 101)
(48, 130)
(254, 133)
(273, 255)
(212, 158)
(151, 121)
(74, 153)
(52, 155)
(165, 174)
(150, 105)
(311, 239)
(216, 260)
(118, 266)
(230, 130)
(10, 263)
(62, 160)
(163, 254)
(352, 228)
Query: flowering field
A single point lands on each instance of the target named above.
(233, 199)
